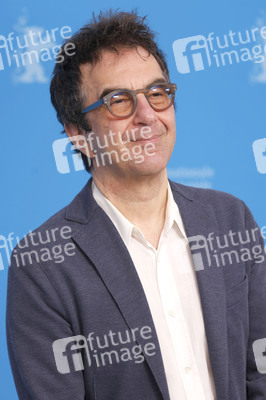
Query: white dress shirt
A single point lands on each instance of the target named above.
(170, 285)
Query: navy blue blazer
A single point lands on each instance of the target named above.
(78, 322)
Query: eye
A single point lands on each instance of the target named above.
(159, 91)
(117, 101)
(119, 98)
(156, 94)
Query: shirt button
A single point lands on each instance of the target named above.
(187, 370)
(172, 313)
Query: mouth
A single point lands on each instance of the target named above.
(153, 138)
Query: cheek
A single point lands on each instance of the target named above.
(103, 122)
(171, 116)
(167, 118)
(98, 125)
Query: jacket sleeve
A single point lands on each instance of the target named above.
(35, 318)
(256, 375)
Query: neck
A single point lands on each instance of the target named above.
(141, 200)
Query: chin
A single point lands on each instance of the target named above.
(150, 166)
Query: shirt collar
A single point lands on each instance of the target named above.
(122, 224)
(173, 214)
(125, 228)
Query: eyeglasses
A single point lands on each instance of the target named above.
(122, 103)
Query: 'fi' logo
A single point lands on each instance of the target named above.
(4, 45)
(191, 54)
(4, 246)
(65, 157)
(200, 259)
(259, 349)
(259, 149)
(68, 354)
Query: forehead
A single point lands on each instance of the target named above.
(129, 68)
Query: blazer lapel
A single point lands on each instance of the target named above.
(99, 239)
(199, 221)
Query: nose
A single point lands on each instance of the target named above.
(144, 113)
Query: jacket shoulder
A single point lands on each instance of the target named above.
(203, 193)
(222, 202)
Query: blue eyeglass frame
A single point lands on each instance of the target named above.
(106, 99)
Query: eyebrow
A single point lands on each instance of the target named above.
(109, 90)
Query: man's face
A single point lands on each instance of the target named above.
(146, 133)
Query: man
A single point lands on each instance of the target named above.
(160, 289)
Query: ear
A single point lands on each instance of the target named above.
(78, 138)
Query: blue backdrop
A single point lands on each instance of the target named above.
(216, 55)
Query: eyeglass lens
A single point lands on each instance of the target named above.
(159, 98)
